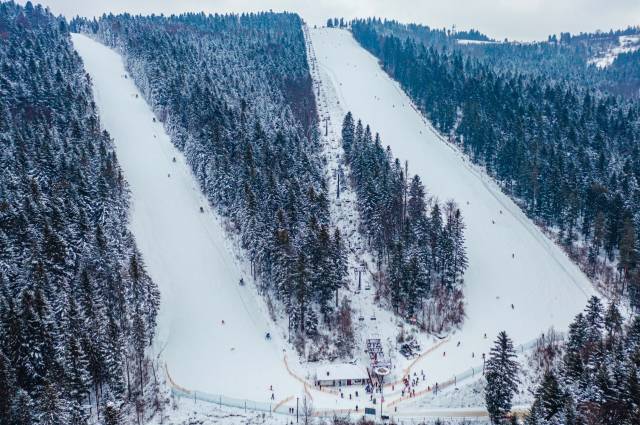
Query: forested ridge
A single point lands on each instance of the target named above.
(234, 93)
(562, 57)
(77, 309)
(421, 253)
(568, 155)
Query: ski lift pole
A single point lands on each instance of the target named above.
(359, 270)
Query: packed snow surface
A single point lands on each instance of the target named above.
(211, 330)
(626, 44)
(518, 280)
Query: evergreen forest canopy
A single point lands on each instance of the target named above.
(421, 253)
(593, 376)
(568, 155)
(234, 93)
(77, 309)
(567, 57)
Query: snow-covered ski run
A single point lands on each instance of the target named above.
(211, 332)
(511, 261)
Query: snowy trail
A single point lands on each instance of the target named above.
(544, 286)
(186, 252)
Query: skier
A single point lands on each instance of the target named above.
(268, 336)
(458, 344)
(493, 222)
(201, 209)
(513, 255)
(241, 281)
(168, 175)
(223, 322)
(154, 119)
(512, 307)
(174, 159)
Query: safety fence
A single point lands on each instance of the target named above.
(472, 371)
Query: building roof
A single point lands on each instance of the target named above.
(340, 371)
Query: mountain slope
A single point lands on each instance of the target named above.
(186, 252)
(510, 261)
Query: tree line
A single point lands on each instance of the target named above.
(417, 242)
(588, 377)
(234, 93)
(593, 377)
(569, 156)
(77, 309)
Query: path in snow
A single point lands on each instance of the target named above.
(186, 252)
(544, 286)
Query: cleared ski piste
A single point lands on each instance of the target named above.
(544, 286)
(186, 253)
(189, 256)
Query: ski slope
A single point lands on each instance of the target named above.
(186, 253)
(511, 261)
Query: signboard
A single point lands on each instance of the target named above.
(369, 411)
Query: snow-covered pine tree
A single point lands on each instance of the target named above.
(422, 256)
(234, 93)
(502, 378)
(63, 227)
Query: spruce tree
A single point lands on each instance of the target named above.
(502, 378)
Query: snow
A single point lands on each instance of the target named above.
(465, 41)
(626, 44)
(340, 371)
(186, 253)
(511, 262)
(198, 267)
